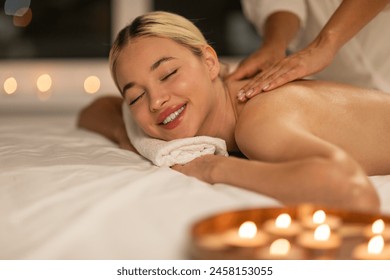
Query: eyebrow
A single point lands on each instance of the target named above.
(152, 68)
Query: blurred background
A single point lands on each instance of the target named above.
(51, 48)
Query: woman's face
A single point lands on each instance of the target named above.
(169, 90)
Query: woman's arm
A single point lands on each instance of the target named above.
(324, 181)
(104, 116)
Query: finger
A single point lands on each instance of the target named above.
(251, 89)
(243, 71)
(284, 78)
(260, 83)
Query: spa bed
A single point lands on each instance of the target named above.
(67, 193)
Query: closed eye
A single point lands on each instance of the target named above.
(132, 102)
(169, 75)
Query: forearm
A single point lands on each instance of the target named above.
(314, 180)
(279, 29)
(349, 18)
(104, 116)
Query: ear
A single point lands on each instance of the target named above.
(212, 62)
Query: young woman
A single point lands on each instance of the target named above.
(307, 141)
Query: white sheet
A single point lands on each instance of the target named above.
(66, 193)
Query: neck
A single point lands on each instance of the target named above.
(224, 116)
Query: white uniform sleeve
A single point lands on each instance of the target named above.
(257, 11)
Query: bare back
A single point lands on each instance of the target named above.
(353, 119)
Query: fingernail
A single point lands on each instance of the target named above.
(265, 87)
(249, 92)
(241, 94)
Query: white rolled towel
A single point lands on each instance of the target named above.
(169, 153)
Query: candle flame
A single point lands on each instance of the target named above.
(375, 245)
(247, 230)
(283, 221)
(378, 226)
(322, 232)
(280, 247)
(319, 217)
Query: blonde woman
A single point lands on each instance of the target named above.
(307, 141)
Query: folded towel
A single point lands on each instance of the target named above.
(169, 153)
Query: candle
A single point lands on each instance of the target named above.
(282, 226)
(281, 249)
(375, 249)
(320, 217)
(246, 236)
(378, 227)
(321, 244)
(212, 241)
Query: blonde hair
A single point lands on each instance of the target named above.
(158, 24)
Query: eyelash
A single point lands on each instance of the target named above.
(136, 99)
(169, 75)
(162, 80)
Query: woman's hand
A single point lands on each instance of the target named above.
(308, 61)
(200, 168)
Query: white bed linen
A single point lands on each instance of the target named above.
(66, 193)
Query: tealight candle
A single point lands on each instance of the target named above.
(375, 249)
(321, 244)
(378, 228)
(282, 226)
(246, 236)
(281, 249)
(320, 217)
(212, 242)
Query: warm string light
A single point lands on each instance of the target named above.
(91, 84)
(44, 83)
(10, 85)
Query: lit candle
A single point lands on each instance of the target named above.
(246, 235)
(282, 226)
(321, 244)
(281, 249)
(320, 217)
(378, 228)
(212, 242)
(375, 249)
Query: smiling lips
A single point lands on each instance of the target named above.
(168, 121)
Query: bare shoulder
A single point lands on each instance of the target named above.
(268, 121)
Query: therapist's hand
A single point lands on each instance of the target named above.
(257, 62)
(301, 64)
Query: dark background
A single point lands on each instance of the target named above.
(82, 29)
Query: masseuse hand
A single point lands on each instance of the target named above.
(308, 61)
(257, 62)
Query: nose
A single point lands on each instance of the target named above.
(157, 99)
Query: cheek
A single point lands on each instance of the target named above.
(194, 86)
